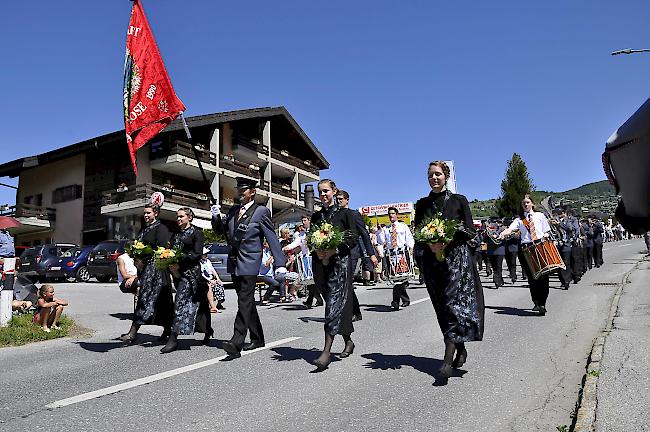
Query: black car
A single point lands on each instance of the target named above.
(218, 256)
(101, 260)
(36, 261)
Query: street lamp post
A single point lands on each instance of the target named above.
(630, 51)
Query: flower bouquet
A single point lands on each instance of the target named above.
(140, 253)
(167, 259)
(324, 237)
(436, 230)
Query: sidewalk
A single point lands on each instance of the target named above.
(623, 391)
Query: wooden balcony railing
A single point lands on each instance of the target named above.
(283, 155)
(29, 211)
(249, 143)
(144, 191)
(230, 163)
(284, 190)
(182, 149)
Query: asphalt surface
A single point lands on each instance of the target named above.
(524, 375)
(624, 381)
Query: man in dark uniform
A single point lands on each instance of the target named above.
(588, 243)
(363, 250)
(496, 250)
(599, 229)
(246, 226)
(512, 249)
(566, 232)
(576, 246)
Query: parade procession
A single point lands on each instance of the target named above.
(441, 233)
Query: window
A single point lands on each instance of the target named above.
(28, 199)
(66, 193)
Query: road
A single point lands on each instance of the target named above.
(524, 375)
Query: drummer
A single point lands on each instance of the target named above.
(533, 226)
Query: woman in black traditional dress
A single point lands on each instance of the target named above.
(154, 305)
(332, 273)
(453, 284)
(192, 311)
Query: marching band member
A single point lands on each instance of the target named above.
(598, 242)
(397, 240)
(512, 249)
(566, 232)
(533, 226)
(496, 250)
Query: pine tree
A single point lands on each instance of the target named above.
(514, 186)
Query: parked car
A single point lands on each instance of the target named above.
(101, 260)
(19, 250)
(72, 265)
(35, 261)
(218, 256)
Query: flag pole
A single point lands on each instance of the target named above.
(198, 159)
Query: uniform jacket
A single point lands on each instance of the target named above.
(246, 260)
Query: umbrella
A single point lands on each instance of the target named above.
(8, 222)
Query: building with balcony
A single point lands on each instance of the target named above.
(87, 192)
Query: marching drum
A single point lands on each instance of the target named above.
(542, 257)
(401, 267)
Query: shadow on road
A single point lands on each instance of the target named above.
(291, 354)
(316, 319)
(122, 316)
(377, 308)
(506, 310)
(102, 347)
(425, 365)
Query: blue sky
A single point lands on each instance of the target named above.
(381, 87)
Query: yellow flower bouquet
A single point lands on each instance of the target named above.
(436, 230)
(166, 259)
(324, 237)
(139, 250)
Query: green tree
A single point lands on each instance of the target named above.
(210, 236)
(514, 186)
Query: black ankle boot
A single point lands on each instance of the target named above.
(208, 336)
(171, 345)
(165, 334)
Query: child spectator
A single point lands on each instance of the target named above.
(215, 285)
(48, 309)
(127, 274)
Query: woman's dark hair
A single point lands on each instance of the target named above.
(153, 207)
(328, 181)
(188, 211)
(520, 211)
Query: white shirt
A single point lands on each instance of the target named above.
(299, 240)
(540, 222)
(246, 206)
(404, 236)
(129, 266)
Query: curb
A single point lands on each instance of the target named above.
(585, 419)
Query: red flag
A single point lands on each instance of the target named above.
(150, 102)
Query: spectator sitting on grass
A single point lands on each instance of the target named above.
(48, 309)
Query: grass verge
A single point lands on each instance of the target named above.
(22, 330)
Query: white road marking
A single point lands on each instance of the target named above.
(420, 301)
(157, 377)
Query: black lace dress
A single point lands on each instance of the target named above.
(334, 279)
(155, 305)
(453, 284)
(192, 312)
